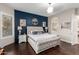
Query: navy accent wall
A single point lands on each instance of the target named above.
(28, 16)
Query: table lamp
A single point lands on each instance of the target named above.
(19, 29)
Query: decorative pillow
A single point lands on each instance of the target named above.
(37, 32)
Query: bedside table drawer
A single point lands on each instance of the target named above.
(22, 38)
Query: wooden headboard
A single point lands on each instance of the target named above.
(33, 28)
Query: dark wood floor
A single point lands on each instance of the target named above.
(26, 49)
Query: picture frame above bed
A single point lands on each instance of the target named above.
(34, 21)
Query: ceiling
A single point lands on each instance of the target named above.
(40, 8)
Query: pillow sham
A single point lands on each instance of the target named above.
(37, 32)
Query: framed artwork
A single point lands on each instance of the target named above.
(34, 21)
(6, 25)
(66, 25)
(22, 22)
(55, 24)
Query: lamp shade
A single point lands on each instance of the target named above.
(46, 28)
(44, 24)
(19, 28)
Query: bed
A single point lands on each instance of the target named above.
(42, 41)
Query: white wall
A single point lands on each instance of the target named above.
(67, 35)
(8, 40)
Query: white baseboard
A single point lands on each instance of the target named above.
(72, 43)
(66, 41)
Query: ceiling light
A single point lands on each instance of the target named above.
(50, 8)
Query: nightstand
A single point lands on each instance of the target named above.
(22, 38)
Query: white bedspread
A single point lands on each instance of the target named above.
(41, 38)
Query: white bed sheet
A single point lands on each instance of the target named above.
(42, 38)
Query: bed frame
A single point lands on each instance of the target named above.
(43, 47)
